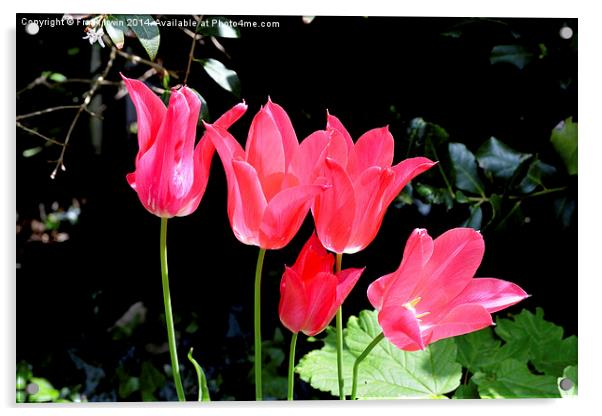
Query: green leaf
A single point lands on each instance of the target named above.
(203, 395)
(151, 379)
(204, 115)
(536, 172)
(475, 219)
(218, 26)
(499, 159)
(465, 168)
(540, 340)
(466, 391)
(387, 372)
(225, 78)
(128, 386)
(478, 350)
(46, 392)
(569, 373)
(514, 380)
(564, 207)
(516, 55)
(114, 26)
(146, 30)
(564, 139)
(32, 151)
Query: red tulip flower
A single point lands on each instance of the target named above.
(349, 214)
(272, 182)
(310, 293)
(432, 295)
(171, 173)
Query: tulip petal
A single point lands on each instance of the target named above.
(346, 282)
(264, 149)
(293, 301)
(347, 159)
(285, 214)
(370, 208)
(150, 112)
(405, 171)
(321, 292)
(492, 294)
(231, 116)
(250, 204)
(375, 148)
(313, 258)
(456, 256)
(397, 287)
(401, 328)
(283, 122)
(308, 160)
(334, 209)
(459, 321)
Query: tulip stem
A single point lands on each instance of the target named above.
(171, 338)
(291, 366)
(257, 325)
(339, 324)
(359, 359)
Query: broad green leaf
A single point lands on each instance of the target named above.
(536, 172)
(516, 55)
(478, 350)
(434, 195)
(114, 26)
(217, 26)
(466, 391)
(475, 219)
(514, 380)
(540, 340)
(146, 30)
(465, 168)
(564, 139)
(570, 373)
(46, 392)
(499, 159)
(387, 372)
(226, 78)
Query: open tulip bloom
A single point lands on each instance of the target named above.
(271, 186)
(171, 173)
(433, 295)
(363, 184)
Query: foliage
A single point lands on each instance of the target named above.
(524, 358)
(387, 372)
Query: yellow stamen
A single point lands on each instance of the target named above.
(422, 315)
(414, 302)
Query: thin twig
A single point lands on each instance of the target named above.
(40, 135)
(190, 58)
(46, 110)
(83, 107)
(138, 59)
(220, 47)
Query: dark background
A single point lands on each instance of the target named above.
(367, 71)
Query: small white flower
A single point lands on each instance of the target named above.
(95, 35)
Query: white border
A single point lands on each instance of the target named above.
(590, 122)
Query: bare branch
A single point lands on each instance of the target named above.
(40, 135)
(46, 110)
(138, 59)
(83, 107)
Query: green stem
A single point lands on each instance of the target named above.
(359, 359)
(291, 366)
(171, 338)
(257, 325)
(339, 323)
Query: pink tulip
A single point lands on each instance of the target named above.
(171, 174)
(349, 214)
(310, 293)
(432, 295)
(272, 182)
